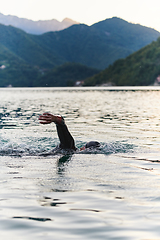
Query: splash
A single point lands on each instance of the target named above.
(39, 146)
(112, 148)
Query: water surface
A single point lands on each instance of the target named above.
(112, 193)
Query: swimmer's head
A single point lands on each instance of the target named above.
(91, 145)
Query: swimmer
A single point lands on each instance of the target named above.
(66, 139)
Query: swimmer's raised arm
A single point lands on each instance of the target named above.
(65, 137)
(47, 118)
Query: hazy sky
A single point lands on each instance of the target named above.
(145, 12)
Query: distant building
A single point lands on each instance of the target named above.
(2, 67)
(79, 83)
(157, 81)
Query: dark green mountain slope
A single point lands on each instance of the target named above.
(23, 46)
(16, 72)
(82, 45)
(65, 75)
(97, 46)
(26, 56)
(125, 34)
(139, 69)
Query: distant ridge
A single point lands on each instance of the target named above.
(36, 27)
(26, 58)
(141, 68)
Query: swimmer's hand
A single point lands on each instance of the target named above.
(47, 118)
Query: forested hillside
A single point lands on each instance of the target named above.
(99, 45)
(26, 58)
(66, 75)
(139, 69)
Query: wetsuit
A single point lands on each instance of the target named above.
(66, 139)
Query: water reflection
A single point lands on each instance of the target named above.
(47, 201)
(33, 218)
(62, 162)
(101, 195)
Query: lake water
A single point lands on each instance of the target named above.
(111, 193)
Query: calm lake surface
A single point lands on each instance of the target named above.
(111, 193)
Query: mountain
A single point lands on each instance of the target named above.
(27, 76)
(22, 45)
(141, 68)
(97, 46)
(65, 75)
(36, 27)
(124, 34)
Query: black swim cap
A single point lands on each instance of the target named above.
(92, 144)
